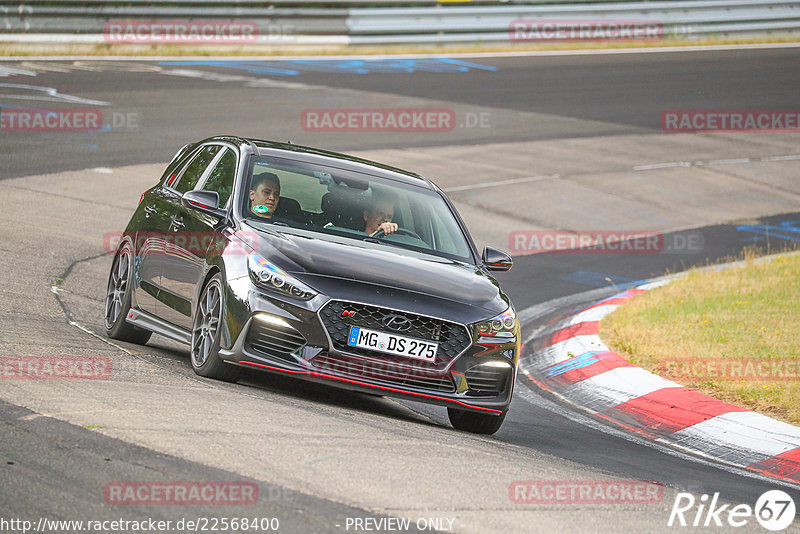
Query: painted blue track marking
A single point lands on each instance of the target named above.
(340, 66)
(766, 230)
(587, 358)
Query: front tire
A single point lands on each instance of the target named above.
(207, 332)
(477, 423)
(118, 300)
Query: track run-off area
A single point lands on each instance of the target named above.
(526, 146)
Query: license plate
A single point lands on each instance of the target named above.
(392, 344)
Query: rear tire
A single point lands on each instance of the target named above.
(207, 332)
(477, 423)
(118, 300)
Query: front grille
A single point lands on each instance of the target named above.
(273, 341)
(487, 379)
(453, 338)
(388, 370)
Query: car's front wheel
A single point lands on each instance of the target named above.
(477, 423)
(118, 300)
(206, 334)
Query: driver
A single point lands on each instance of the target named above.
(379, 217)
(264, 194)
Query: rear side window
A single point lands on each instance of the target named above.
(221, 177)
(175, 165)
(196, 168)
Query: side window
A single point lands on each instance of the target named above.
(181, 157)
(222, 175)
(195, 169)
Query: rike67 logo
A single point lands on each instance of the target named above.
(774, 510)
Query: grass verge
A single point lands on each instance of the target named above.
(102, 49)
(732, 334)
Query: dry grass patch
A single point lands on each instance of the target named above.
(269, 50)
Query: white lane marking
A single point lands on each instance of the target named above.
(8, 71)
(48, 94)
(730, 161)
(592, 314)
(744, 431)
(103, 170)
(589, 342)
(56, 415)
(503, 182)
(617, 386)
(700, 163)
(667, 165)
(249, 81)
(791, 157)
(658, 283)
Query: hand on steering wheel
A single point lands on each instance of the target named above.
(386, 228)
(399, 231)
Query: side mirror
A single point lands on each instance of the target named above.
(496, 260)
(204, 201)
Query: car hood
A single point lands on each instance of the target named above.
(322, 262)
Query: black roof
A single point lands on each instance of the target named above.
(331, 159)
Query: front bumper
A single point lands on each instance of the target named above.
(304, 340)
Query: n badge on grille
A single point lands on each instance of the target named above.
(349, 313)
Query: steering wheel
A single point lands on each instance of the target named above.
(400, 231)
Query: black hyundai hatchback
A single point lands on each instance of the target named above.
(320, 266)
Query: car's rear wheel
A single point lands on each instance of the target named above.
(206, 334)
(118, 300)
(477, 423)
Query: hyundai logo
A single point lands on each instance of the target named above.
(395, 322)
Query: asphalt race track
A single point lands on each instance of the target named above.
(539, 142)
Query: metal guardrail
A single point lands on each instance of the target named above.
(424, 21)
(692, 18)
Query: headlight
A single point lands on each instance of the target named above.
(269, 276)
(502, 326)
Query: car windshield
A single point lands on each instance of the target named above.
(353, 205)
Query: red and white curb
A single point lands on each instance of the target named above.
(571, 361)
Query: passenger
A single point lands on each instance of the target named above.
(264, 194)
